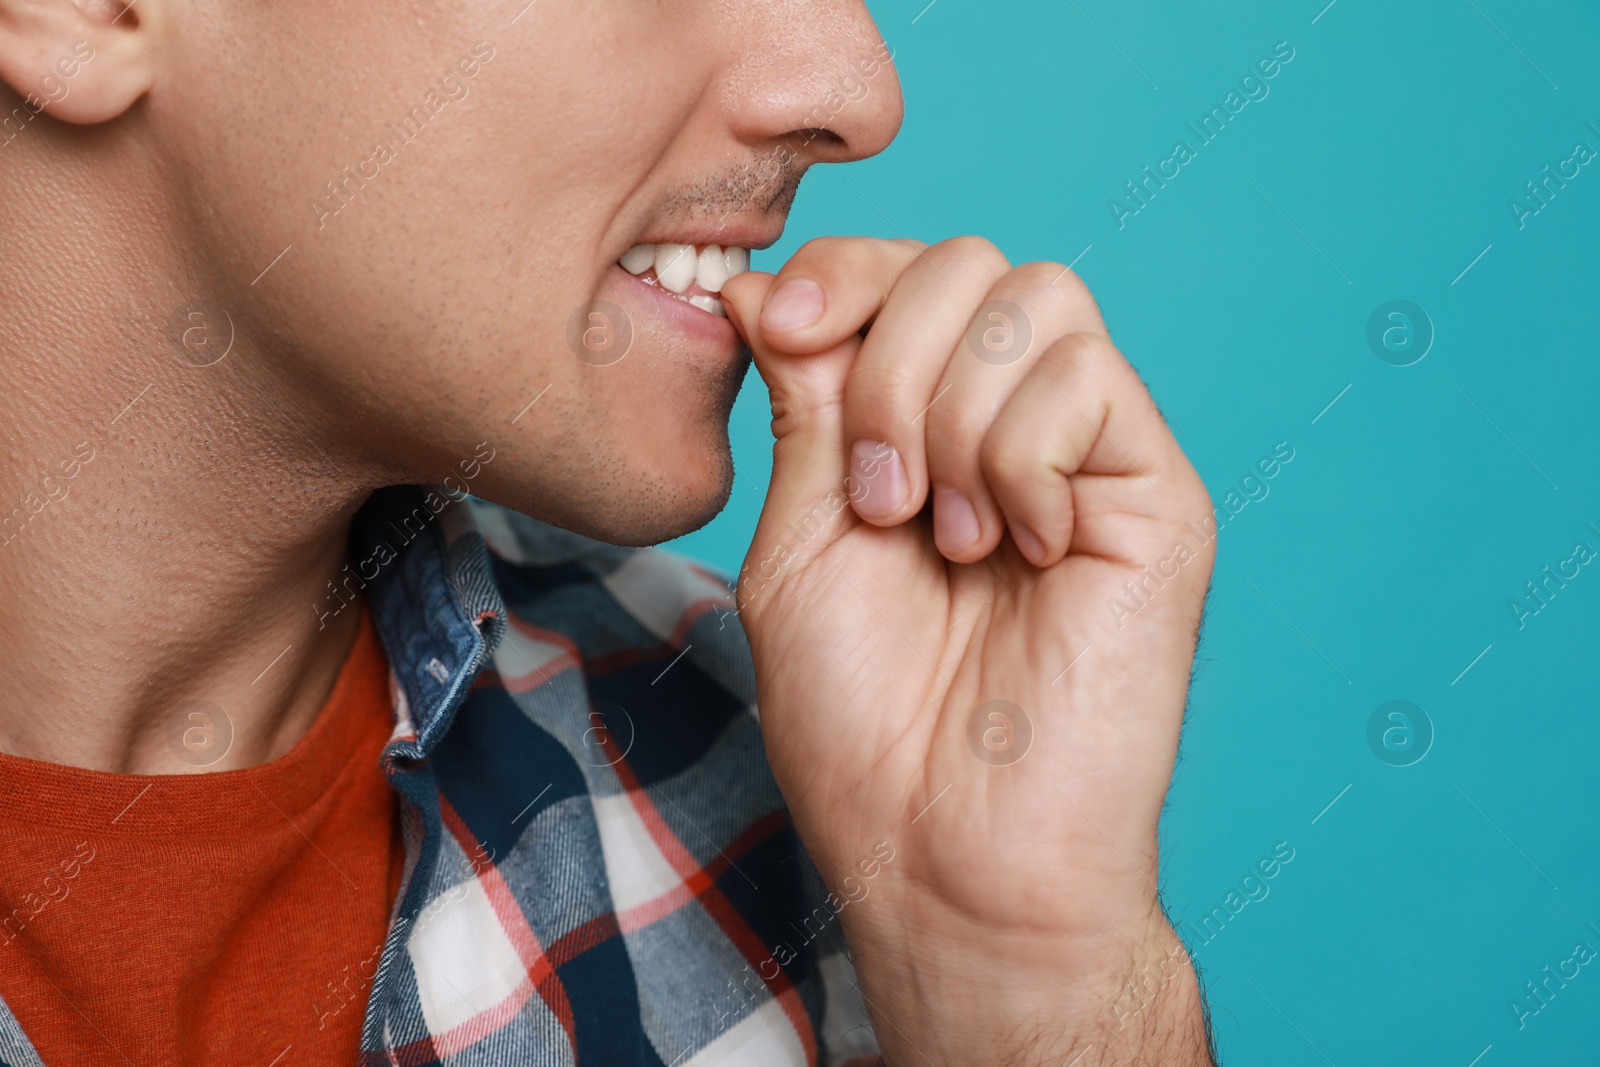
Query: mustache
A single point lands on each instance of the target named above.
(765, 183)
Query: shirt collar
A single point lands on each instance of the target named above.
(426, 571)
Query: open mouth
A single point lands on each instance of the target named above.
(694, 274)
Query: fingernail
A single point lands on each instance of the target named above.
(796, 303)
(1028, 543)
(955, 521)
(881, 475)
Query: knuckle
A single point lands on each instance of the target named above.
(1191, 490)
(1074, 287)
(879, 390)
(968, 250)
(1037, 276)
(1004, 455)
(1062, 288)
(959, 470)
(823, 248)
(841, 259)
(958, 430)
(1085, 358)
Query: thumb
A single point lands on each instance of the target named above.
(808, 502)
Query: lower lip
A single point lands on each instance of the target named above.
(680, 315)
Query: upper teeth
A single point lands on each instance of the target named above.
(678, 267)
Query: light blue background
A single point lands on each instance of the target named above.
(1416, 507)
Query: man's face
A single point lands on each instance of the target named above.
(455, 182)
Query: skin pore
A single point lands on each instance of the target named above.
(181, 166)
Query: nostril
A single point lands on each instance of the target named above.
(813, 133)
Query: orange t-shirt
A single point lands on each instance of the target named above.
(228, 917)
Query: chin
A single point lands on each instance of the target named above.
(623, 501)
(669, 503)
(687, 476)
(675, 516)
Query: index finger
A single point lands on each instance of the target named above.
(830, 289)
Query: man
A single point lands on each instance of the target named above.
(310, 756)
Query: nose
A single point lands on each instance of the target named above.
(814, 75)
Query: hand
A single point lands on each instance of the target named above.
(953, 524)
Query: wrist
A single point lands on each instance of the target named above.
(954, 993)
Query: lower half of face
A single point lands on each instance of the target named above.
(452, 277)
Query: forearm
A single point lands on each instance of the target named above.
(962, 999)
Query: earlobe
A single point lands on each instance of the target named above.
(81, 62)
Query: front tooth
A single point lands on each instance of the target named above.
(638, 259)
(707, 303)
(711, 270)
(738, 260)
(675, 266)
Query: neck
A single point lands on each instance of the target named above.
(167, 530)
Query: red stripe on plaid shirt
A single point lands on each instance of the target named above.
(569, 657)
(572, 657)
(541, 973)
(602, 928)
(714, 901)
(642, 915)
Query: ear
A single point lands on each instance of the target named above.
(82, 61)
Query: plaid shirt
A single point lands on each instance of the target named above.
(599, 866)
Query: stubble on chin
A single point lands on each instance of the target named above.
(679, 502)
(625, 495)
